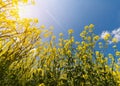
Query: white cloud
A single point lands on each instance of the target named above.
(116, 31)
(115, 34)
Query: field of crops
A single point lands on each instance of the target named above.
(27, 60)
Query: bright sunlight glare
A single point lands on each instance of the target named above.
(33, 11)
(42, 11)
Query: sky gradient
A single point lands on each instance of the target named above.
(65, 14)
(75, 14)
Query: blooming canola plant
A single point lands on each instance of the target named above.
(27, 60)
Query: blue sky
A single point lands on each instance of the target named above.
(65, 14)
(75, 14)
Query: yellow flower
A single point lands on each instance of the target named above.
(96, 38)
(69, 52)
(110, 55)
(101, 61)
(84, 56)
(70, 31)
(35, 20)
(63, 76)
(89, 38)
(77, 42)
(53, 37)
(42, 26)
(24, 1)
(114, 73)
(114, 40)
(91, 26)
(79, 47)
(97, 53)
(86, 27)
(72, 39)
(60, 34)
(117, 53)
(15, 2)
(106, 66)
(106, 37)
(60, 44)
(116, 66)
(85, 76)
(39, 70)
(83, 34)
(42, 84)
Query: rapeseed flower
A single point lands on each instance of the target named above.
(70, 31)
(114, 40)
(91, 26)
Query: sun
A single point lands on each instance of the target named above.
(33, 10)
(25, 11)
